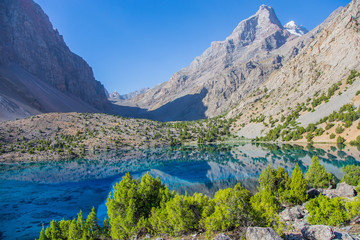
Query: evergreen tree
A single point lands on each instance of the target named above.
(91, 224)
(317, 176)
(298, 187)
(42, 234)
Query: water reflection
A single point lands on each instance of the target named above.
(36, 192)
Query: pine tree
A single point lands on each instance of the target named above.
(91, 224)
(317, 176)
(42, 234)
(298, 187)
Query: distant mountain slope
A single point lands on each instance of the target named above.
(225, 73)
(29, 43)
(325, 60)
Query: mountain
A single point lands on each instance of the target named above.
(38, 72)
(326, 59)
(225, 73)
(295, 29)
(116, 96)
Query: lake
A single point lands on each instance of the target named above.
(32, 194)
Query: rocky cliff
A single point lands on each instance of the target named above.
(29, 43)
(327, 58)
(225, 73)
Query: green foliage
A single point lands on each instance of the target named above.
(328, 126)
(181, 214)
(340, 140)
(74, 229)
(317, 176)
(355, 142)
(229, 210)
(353, 208)
(324, 210)
(131, 202)
(339, 129)
(332, 136)
(352, 175)
(351, 78)
(298, 187)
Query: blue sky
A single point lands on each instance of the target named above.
(131, 44)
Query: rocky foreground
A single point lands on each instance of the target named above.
(297, 226)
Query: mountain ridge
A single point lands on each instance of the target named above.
(227, 71)
(30, 42)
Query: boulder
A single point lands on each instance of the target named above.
(345, 190)
(256, 233)
(343, 236)
(299, 224)
(317, 232)
(342, 190)
(290, 214)
(221, 236)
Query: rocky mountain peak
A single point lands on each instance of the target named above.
(295, 29)
(266, 15)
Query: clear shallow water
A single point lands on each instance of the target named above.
(32, 194)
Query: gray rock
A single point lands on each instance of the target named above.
(290, 214)
(342, 190)
(221, 236)
(293, 236)
(317, 232)
(299, 224)
(345, 190)
(355, 220)
(343, 236)
(256, 233)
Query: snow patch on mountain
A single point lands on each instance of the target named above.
(295, 29)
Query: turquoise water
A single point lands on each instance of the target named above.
(32, 194)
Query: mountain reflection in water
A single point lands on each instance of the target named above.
(36, 192)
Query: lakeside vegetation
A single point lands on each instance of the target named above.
(76, 135)
(288, 128)
(139, 207)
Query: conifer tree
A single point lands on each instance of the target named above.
(298, 187)
(317, 176)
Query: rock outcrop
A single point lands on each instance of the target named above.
(325, 59)
(342, 190)
(256, 233)
(29, 43)
(317, 232)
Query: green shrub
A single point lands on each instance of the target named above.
(340, 140)
(317, 176)
(324, 210)
(339, 129)
(231, 209)
(131, 202)
(332, 136)
(328, 126)
(179, 215)
(352, 175)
